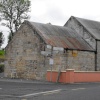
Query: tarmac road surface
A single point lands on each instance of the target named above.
(16, 89)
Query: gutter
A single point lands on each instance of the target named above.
(80, 50)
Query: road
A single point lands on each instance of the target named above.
(37, 90)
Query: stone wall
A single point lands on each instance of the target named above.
(23, 55)
(75, 25)
(98, 55)
(80, 60)
(73, 59)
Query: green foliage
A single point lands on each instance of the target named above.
(1, 68)
(2, 54)
(14, 12)
(2, 57)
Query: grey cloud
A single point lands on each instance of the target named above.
(56, 15)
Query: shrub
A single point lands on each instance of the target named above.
(2, 55)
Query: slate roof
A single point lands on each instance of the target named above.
(92, 26)
(60, 36)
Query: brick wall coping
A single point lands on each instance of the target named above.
(69, 69)
(87, 71)
(55, 71)
(76, 71)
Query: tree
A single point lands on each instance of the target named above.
(1, 38)
(9, 37)
(14, 12)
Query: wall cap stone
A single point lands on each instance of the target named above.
(69, 69)
(55, 71)
(87, 71)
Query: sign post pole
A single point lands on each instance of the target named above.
(51, 65)
(52, 50)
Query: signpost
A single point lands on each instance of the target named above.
(53, 50)
(49, 46)
(51, 62)
(58, 48)
(45, 53)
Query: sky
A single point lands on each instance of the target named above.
(57, 12)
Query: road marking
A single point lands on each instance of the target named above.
(79, 89)
(34, 94)
(51, 93)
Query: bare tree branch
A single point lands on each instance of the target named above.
(14, 12)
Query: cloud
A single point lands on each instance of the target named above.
(47, 11)
(55, 16)
(59, 11)
(5, 33)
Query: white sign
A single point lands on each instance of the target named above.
(49, 46)
(58, 48)
(51, 62)
(45, 53)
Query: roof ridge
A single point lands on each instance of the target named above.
(86, 19)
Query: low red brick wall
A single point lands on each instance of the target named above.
(87, 77)
(71, 76)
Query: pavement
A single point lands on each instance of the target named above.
(25, 81)
(4, 79)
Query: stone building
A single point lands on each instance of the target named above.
(89, 30)
(24, 54)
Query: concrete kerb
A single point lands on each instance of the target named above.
(41, 81)
(25, 81)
